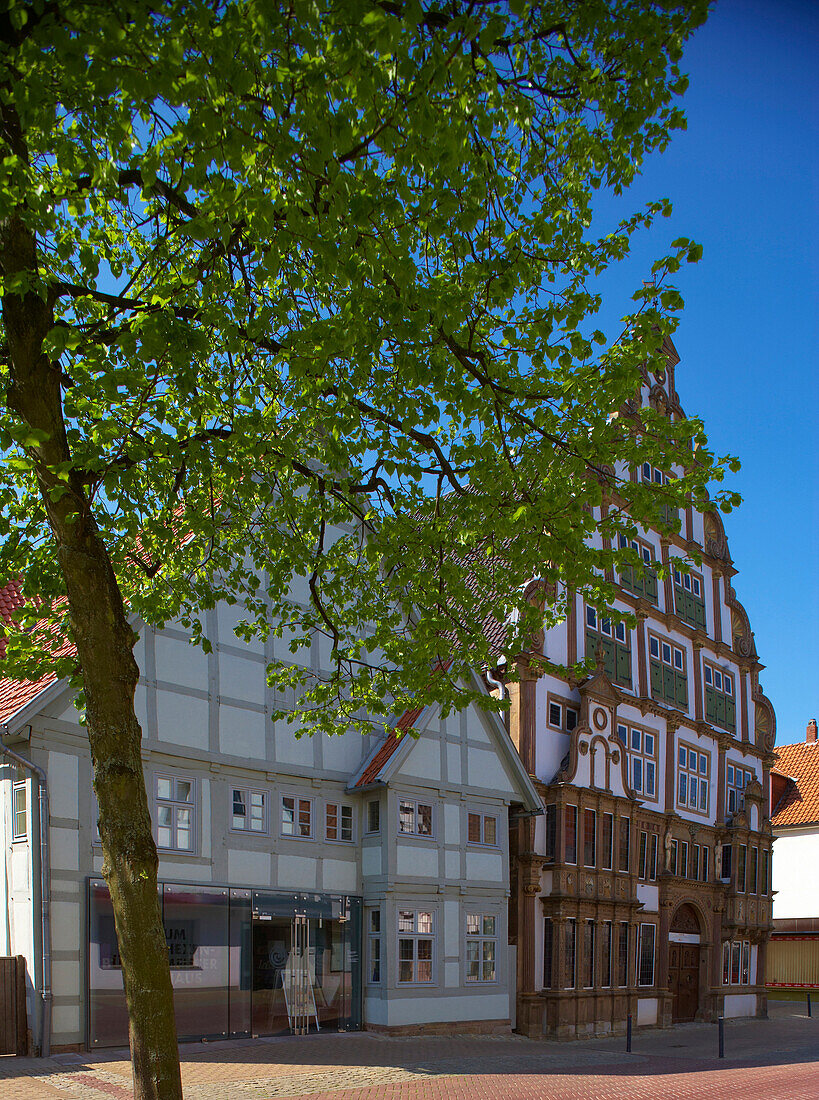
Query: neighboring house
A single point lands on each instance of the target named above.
(644, 889)
(793, 957)
(342, 881)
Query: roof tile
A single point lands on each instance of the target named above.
(799, 805)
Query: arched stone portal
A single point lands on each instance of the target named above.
(684, 947)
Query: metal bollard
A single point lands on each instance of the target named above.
(721, 1024)
(808, 1002)
(628, 1034)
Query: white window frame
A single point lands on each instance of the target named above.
(176, 805)
(483, 842)
(639, 955)
(375, 946)
(19, 789)
(732, 788)
(290, 829)
(482, 940)
(626, 735)
(373, 805)
(416, 805)
(703, 779)
(567, 718)
(343, 810)
(417, 936)
(248, 792)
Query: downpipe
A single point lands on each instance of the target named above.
(45, 903)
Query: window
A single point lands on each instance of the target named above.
(175, 813)
(482, 829)
(616, 646)
(589, 838)
(753, 871)
(481, 947)
(736, 962)
(373, 817)
(588, 954)
(645, 954)
(641, 754)
(374, 946)
(720, 707)
(695, 862)
(624, 843)
(551, 832)
(683, 854)
(765, 882)
(742, 858)
(688, 598)
(571, 953)
(415, 817)
(570, 835)
(652, 867)
(693, 773)
(639, 580)
(652, 476)
(605, 955)
(622, 954)
(562, 716)
(667, 672)
(249, 810)
(704, 863)
(607, 852)
(416, 937)
(727, 853)
(737, 779)
(338, 822)
(642, 860)
(548, 951)
(297, 816)
(674, 860)
(19, 807)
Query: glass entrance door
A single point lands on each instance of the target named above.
(306, 970)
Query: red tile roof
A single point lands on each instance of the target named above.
(799, 805)
(389, 746)
(16, 694)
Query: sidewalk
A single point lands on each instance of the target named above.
(774, 1059)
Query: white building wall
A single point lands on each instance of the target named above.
(795, 884)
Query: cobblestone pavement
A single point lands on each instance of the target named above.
(774, 1059)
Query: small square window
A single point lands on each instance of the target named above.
(555, 716)
(571, 719)
(591, 617)
(709, 676)
(667, 653)
(678, 658)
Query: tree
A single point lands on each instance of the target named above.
(306, 290)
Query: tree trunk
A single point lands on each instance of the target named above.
(105, 642)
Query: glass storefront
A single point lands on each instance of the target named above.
(243, 962)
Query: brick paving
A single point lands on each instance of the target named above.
(774, 1059)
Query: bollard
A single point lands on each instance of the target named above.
(721, 1024)
(628, 1034)
(808, 1002)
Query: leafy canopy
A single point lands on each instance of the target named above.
(320, 268)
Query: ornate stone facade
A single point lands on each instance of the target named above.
(644, 887)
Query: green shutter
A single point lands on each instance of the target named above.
(699, 614)
(668, 684)
(720, 719)
(651, 585)
(623, 675)
(679, 601)
(710, 705)
(681, 690)
(656, 678)
(627, 577)
(730, 714)
(591, 644)
(609, 661)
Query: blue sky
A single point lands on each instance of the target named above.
(743, 181)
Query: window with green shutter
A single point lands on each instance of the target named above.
(616, 646)
(652, 476)
(689, 603)
(640, 581)
(667, 674)
(720, 700)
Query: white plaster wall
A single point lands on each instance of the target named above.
(484, 866)
(242, 678)
(371, 860)
(484, 769)
(424, 760)
(436, 1007)
(453, 763)
(416, 861)
(797, 892)
(182, 719)
(178, 662)
(339, 876)
(452, 823)
(242, 732)
(249, 868)
(63, 785)
(297, 871)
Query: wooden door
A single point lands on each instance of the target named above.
(684, 979)
(13, 1005)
